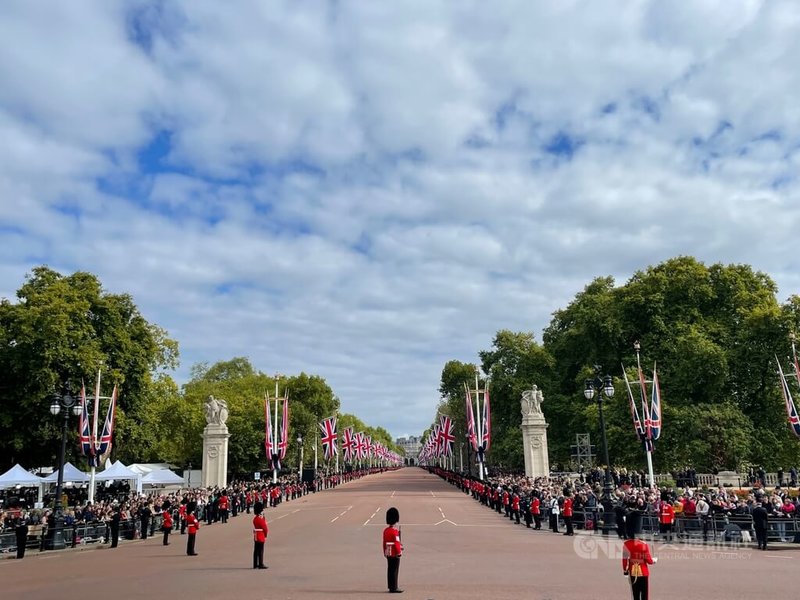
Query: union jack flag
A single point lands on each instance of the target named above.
(638, 426)
(329, 446)
(85, 433)
(791, 409)
(348, 444)
(446, 436)
(655, 408)
(472, 438)
(486, 434)
(103, 447)
(267, 428)
(283, 443)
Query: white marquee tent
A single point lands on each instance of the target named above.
(162, 477)
(117, 472)
(71, 475)
(18, 476)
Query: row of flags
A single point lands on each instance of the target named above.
(791, 409)
(276, 441)
(648, 427)
(440, 442)
(93, 446)
(355, 445)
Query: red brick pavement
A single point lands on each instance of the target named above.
(328, 546)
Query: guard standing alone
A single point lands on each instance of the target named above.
(166, 526)
(21, 530)
(635, 558)
(260, 531)
(192, 525)
(392, 549)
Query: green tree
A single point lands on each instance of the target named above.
(61, 330)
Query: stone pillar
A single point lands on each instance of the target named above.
(534, 434)
(215, 455)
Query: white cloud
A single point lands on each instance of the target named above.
(365, 191)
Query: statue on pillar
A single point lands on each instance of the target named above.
(531, 403)
(216, 411)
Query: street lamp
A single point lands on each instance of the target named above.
(596, 388)
(62, 403)
(300, 468)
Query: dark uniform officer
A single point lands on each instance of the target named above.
(144, 517)
(21, 529)
(392, 549)
(114, 525)
(761, 524)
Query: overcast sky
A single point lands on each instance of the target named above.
(365, 190)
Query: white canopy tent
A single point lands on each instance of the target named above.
(71, 475)
(162, 477)
(117, 472)
(18, 476)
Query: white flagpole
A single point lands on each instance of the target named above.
(275, 436)
(479, 430)
(316, 443)
(92, 471)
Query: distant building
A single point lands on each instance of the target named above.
(411, 445)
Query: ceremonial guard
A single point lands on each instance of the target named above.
(392, 549)
(166, 526)
(635, 559)
(536, 511)
(515, 507)
(21, 531)
(666, 517)
(761, 524)
(144, 518)
(182, 515)
(568, 513)
(192, 525)
(222, 505)
(260, 531)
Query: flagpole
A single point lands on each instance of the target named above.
(275, 437)
(316, 443)
(479, 429)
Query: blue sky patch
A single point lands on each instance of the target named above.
(562, 144)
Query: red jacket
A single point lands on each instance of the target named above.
(223, 503)
(535, 506)
(505, 498)
(636, 551)
(391, 542)
(515, 502)
(260, 528)
(167, 520)
(667, 514)
(192, 524)
(567, 507)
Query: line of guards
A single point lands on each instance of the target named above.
(727, 528)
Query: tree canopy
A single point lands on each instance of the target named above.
(714, 332)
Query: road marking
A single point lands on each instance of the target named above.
(393, 493)
(372, 517)
(342, 513)
(432, 494)
(441, 511)
(445, 521)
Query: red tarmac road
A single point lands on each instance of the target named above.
(328, 545)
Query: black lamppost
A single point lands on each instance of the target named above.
(65, 403)
(595, 389)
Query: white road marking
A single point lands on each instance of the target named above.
(372, 517)
(393, 493)
(342, 513)
(441, 511)
(432, 494)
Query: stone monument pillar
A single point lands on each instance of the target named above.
(215, 443)
(534, 434)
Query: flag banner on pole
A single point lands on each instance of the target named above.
(647, 424)
(446, 434)
(329, 446)
(104, 445)
(486, 437)
(347, 444)
(791, 409)
(472, 438)
(283, 444)
(655, 408)
(638, 425)
(268, 428)
(85, 431)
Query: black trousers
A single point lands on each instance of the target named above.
(568, 523)
(224, 515)
(258, 554)
(114, 536)
(761, 537)
(666, 531)
(166, 535)
(639, 588)
(145, 527)
(190, 543)
(537, 519)
(22, 539)
(554, 523)
(392, 569)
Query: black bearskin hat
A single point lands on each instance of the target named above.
(392, 516)
(258, 508)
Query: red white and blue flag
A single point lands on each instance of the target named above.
(655, 408)
(348, 444)
(103, 445)
(641, 428)
(791, 409)
(268, 435)
(283, 443)
(329, 438)
(446, 436)
(85, 430)
(472, 437)
(486, 434)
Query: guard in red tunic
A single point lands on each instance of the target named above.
(260, 531)
(166, 526)
(567, 513)
(392, 549)
(222, 504)
(635, 558)
(515, 506)
(666, 518)
(536, 511)
(192, 525)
